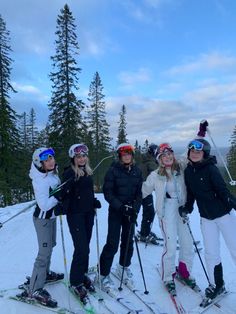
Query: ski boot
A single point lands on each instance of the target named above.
(43, 297)
(127, 276)
(170, 286)
(89, 284)
(81, 292)
(107, 284)
(213, 291)
(52, 276)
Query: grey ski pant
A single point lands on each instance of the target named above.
(46, 234)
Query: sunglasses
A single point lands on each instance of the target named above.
(46, 154)
(195, 145)
(81, 150)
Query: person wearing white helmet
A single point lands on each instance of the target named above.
(79, 205)
(122, 190)
(44, 176)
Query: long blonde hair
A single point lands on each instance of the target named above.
(162, 169)
(79, 172)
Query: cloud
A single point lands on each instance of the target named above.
(205, 62)
(129, 79)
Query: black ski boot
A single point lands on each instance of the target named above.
(81, 292)
(52, 277)
(213, 291)
(170, 286)
(25, 285)
(43, 297)
(89, 284)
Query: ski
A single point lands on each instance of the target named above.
(175, 300)
(87, 305)
(151, 306)
(33, 302)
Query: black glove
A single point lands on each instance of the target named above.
(129, 211)
(202, 128)
(59, 210)
(183, 212)
(96, 203)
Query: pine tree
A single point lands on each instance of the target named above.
(122, 135)
(32, 130)
(231, 158)
(8, 119)
(65, 120)
(97, 125)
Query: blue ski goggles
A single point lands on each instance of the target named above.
(195, 145)
(46, 154)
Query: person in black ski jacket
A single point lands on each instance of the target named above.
(148, 164)
(122, 190)
(205, 185)
(79, 205)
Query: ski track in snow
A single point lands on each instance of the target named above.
(18, 249)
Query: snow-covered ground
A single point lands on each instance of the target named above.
(18, 248)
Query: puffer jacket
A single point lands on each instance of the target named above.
(43, 183)
(206, 185)
(123, 185)
(157, 183)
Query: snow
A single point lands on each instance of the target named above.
(18, 249)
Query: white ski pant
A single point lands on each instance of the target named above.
(173, 228)
(46, 234)
(211, 238)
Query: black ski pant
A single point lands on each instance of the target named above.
(117, 224)
(148, 215)
(80, 226)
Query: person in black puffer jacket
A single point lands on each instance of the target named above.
(78, 203)
(206, 185)
(122, 190)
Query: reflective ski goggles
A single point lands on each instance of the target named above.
(81, 150)
(129, 149)
(46, 154)
(195, 145)
(165, 147)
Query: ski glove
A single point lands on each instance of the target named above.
(183, 212)
(202, 128)
(59, 210)
(129, 211)
(96, 203)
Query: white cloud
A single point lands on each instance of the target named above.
(129, 79)
(26, 88)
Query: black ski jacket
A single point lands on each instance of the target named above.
(123, 185)
(205, 185)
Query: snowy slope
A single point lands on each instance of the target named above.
(18, 248)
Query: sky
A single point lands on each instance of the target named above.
(172, 63)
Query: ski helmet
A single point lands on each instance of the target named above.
(41, 154)
(77, 149)
(124, 148)
(152, 149)
(201, 145)
(162, 149)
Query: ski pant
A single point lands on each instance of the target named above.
(80, 226)
(172, 227)
(117, 223)
(46, 234)
(211, 238)
(148, 215)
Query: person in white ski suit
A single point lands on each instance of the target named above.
(206, 186)
(44, 176)
(168, 183)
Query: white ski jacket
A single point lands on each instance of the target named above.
(42, 184)
(157, 183)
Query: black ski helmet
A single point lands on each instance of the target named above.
(152, 149)
(206, 146)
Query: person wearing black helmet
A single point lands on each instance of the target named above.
(205, 184)
(122, 190)
(148, 164)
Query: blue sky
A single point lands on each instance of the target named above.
(171, 62)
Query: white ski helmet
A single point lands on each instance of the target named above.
(124, 148)
(41, 154)
(77, 149)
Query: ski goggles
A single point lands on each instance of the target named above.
(81, 150)
(46, 154)
(195, 145)
(164, 148)
(129, 149)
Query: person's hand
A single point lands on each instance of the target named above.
(203, 128)
(59, 210)
(183, 212)
(96, 203)
(129, 211)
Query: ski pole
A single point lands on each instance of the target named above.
(140, 263)
(102, 161)
(64, 259)
(194, 242)
(232, 182)
(98, 252)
